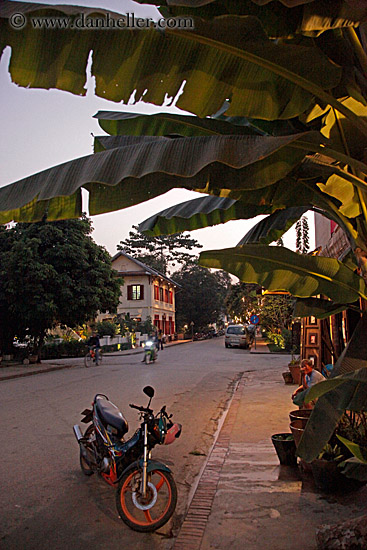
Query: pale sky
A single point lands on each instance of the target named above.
(43, 128)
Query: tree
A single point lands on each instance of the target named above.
(161, 253)
(52, 273)
(276, 313)
(242, 302)
(201, 298)
(302, 236)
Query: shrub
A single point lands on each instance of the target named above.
(106, 328)
(73, 348)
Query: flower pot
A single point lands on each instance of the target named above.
(297, 429)
(300, 413)
(329, 479)
(285, 448)
(287, 376)
(296, 373)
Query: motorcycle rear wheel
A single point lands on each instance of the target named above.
(86, 469)
(148, 514)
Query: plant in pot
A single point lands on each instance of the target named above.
(326, 469)
(339, 414)
(285, 448)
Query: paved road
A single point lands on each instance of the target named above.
(46, 501)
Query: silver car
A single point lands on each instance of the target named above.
(237, 335)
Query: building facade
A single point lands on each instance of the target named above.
(324, 340)
(146, 293)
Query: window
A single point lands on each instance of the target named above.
(236, 330)
(135, 292)
(166, 295)
(161, 294)
(156, 292)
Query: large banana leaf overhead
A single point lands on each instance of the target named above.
(226, 57)
(131, 170)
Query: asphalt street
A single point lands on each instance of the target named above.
(46, 500)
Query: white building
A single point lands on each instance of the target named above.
(146, 292)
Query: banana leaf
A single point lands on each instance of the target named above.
(359, 452)
(318, 307)
(278, 19)
(134, 169)
(349, 395)
(163, 124)
(274, 226)
(199, 213)
(279, 269)
(228, 57)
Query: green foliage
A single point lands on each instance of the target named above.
(241, 301)
(52, 273)
(202, 296)
(106, 328)
(282, 340)
(73, 348)
(161, 253)
(330, 452)
(276, 315)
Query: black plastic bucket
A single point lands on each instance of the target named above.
(285, 448)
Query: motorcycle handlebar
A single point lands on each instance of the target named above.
(140, 409)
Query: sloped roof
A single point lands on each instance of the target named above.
(149, 270)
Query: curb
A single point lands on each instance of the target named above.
(60, 367)
(193, 527)
(40, 371)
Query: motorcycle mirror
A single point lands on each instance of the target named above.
(149, 391)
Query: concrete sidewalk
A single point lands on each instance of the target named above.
(245, 499)
(10, 369)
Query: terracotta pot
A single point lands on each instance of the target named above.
(297, 429)
(285, 448)
(288, 378)
(300, 413)
(296, 373)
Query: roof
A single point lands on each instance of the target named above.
(148, 270)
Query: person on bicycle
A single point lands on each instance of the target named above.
(94, 343)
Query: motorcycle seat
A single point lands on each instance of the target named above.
(111, 416)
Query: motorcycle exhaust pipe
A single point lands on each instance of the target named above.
(77, 432)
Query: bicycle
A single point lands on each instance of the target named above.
(92, 357)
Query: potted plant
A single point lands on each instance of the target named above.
(285, 448)
(287, 377)
(325, 468)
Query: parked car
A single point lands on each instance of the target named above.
(237, 335)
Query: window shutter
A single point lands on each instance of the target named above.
(130, 292)
(141, 292)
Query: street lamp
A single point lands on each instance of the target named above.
(192, 330)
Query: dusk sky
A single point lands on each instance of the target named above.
(44, 128)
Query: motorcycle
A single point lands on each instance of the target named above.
(146, 494)
(150, 352)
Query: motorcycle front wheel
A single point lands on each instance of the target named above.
(149, 513)
(147, 359)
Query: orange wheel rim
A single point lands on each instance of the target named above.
(149, 520)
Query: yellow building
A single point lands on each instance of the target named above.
(146, 292)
